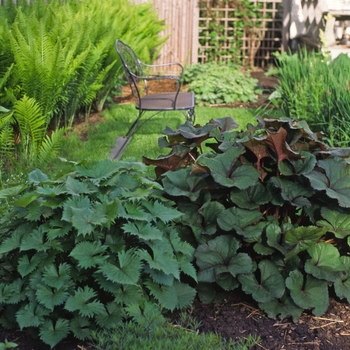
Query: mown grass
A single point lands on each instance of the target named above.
(100, 138)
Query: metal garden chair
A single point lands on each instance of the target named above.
(138, 76)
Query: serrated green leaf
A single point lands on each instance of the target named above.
(269, 286)
(26, 265)
(83, 220)
(162, 261)
(37, 211)
(143, 230)
(54, 277)
(165, 295)
(127, 294)
(81, 301)
(89, 254)
(56, 228)
(135, 212)
(81, 327)
(81, 202)
(159, 276)
(35, 240)
(159, 210)
(147, 314)
(99, 171)
(308, 292)
(112, 317)
(26, 199)
(53, 334)
(31, 315)
(12, 192)
(335, 221)
(186, 266)
(128, 271)
(185, 295)
(12, 242)
(50, 297)
(325, 262)
(180, 246)
(75, 187)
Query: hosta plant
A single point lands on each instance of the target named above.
(92, 248)
(267, 209)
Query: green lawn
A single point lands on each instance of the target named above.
(118, 118)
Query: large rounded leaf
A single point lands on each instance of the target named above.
(335, 180)
(269, 286)
(241, 220)
(336, 222)
(226, 172)
(219, 256)
(325, 262)
(308, 292)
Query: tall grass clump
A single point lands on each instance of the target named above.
(314, 88)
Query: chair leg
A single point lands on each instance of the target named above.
(191, 115)
(133, 127)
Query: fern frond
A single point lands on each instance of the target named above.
(50, 146)
(31, 122)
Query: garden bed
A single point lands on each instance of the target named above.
(238, 316)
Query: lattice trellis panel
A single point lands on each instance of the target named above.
(221, 38)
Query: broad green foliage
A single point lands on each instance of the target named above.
(267, 209)
(220, 84)
(89, 249)
(61, 57)
(314, 88)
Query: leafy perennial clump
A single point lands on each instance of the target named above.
(268, 210)
(88, 250)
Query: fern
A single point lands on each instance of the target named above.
(31, 123)
(50, 146)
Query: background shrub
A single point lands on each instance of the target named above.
(215, 83)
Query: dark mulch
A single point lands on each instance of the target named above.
(238, 316)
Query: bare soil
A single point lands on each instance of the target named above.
(238, 316)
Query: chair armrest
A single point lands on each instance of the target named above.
(165, 65)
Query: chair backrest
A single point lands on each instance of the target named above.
(132, 68)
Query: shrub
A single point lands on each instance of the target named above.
(215, 83)
(267, 210)
(313, 88)
(89, 250)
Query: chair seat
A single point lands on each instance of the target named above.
(155, 102)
